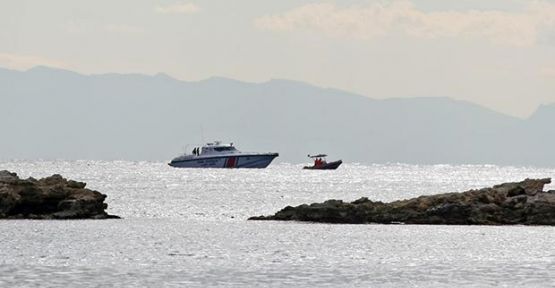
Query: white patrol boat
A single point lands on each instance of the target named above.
(218, 155)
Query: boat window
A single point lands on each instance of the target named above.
(220, 149)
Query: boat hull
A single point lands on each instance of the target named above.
(328, 166)
(229, 161)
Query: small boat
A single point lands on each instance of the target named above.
(218, 155)
(320, 163)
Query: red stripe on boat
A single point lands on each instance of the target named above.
(231, 162)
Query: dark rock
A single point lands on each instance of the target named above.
(52, 197)
(75, 184)
(509, 203)
(8, 177)
(516, 191)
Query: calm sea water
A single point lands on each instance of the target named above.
(188, 228)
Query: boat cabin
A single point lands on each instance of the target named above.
(218, 148)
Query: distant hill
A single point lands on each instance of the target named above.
(56, 114)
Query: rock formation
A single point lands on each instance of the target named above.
(49, 198)
(509, 203)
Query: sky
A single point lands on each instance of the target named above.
(496, 53)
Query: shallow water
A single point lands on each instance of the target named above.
(187, 227)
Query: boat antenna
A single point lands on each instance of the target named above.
(202, 134)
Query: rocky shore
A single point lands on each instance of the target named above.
(505, 204)
(52, 197)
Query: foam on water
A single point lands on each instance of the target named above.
(188, 227)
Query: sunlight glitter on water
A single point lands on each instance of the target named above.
(187, 227)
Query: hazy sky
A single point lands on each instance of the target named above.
(500, 54)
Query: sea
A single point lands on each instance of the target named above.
(189, 228)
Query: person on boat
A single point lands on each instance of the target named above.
(317, 162)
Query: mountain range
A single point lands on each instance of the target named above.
(50, 113)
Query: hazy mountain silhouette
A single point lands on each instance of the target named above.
(50, 113)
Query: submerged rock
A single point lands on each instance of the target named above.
(509, 203)
(52, 197)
